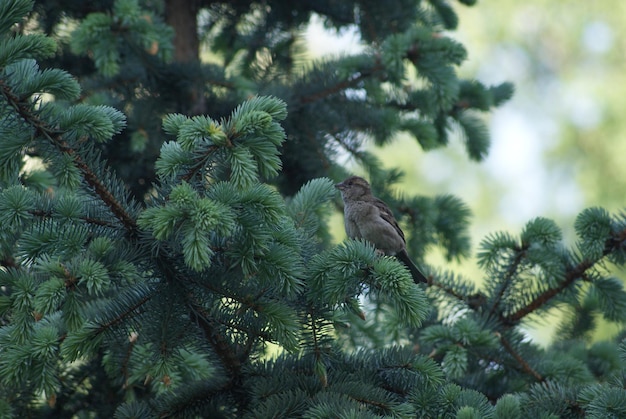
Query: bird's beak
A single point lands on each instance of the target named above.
(340, 186)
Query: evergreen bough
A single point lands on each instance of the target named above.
(219, 295)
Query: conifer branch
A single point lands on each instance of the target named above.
(448, 290)
(69, 393)
(101, 190)
(220, 344)
(571, 275)
(89, 220)
(200, 163)
(512, 269)
(128, 312)
(316, 349)
(129, 352)
(342, 85)
(474, 301)
(44, 130)
(223, 349)
(252, 335)
(521, 361)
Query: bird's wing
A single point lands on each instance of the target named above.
(385, 214)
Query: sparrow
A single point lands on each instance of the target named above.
(369, 218)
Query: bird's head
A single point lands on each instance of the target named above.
(353, 188)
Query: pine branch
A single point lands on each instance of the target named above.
(200, 163)
(474, 301)
(128, 312)
(342, 85)
(512, 269)
(220, 344)
(89, 220)
(571, 275)
(522, 362)
(44, 130)
(222, 347)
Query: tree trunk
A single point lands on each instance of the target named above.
(182, 15)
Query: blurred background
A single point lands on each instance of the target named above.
(557, 147)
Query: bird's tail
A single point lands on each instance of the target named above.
(417, 275)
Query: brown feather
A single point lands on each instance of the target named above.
(367, 217)
(386, 215)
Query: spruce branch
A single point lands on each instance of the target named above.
(613, 243)
(448, 290)
(316, 344)
(571, 275)
(247, 302)
(89, 220)
(70, 390)
(125, 370)
(200, 163)
(209, 326)
(251, 334)
(512, 269)
(342, 85)
(56, 138)
(377, 69)
(222, 347)
(127, 313)
(475, 300)
(520, 360)
(42, 129)
(101, 190)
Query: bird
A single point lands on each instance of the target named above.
(369, 218)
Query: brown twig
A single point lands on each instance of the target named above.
(88, 220)
(44, 130)
(571, 275)
(512, 269)
(222, 347)
(521, 361)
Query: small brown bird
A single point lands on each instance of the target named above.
(367, 217)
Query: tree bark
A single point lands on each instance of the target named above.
(182, 15)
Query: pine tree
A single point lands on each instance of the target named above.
(211, 288)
